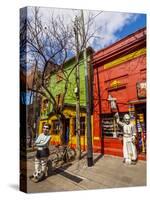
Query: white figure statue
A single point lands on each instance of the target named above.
(129, 139)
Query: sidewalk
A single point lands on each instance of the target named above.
(107, 172)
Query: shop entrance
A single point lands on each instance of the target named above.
(67, 124)
(140, 111)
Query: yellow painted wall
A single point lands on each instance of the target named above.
(71, 114)
(41, 125)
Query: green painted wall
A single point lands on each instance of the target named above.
(59, 87)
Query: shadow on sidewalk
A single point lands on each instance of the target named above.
(62, 171)
(98, 158)
(83, 155)
(68, 175)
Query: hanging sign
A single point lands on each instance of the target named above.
(141, 89)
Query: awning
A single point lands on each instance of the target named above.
(138, 101)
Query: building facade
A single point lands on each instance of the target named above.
(57, 87)
(119, 74)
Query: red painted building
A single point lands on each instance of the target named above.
(120, 72)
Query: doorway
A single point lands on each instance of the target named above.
(140, 110)
(67, 132)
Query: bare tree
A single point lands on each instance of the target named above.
(48, 46)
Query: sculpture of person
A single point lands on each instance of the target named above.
(42, 154)
(129, 139)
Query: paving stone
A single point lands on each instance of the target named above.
(107, 172)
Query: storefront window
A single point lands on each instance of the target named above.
(109, 126)
(141, 127)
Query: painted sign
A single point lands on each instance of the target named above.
(141, 89)
(115, 84)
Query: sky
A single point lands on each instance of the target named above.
(115, 26)
(108, 27)
(139, 23)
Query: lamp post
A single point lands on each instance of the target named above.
(77, 89)
(88, 105)
(78, 145)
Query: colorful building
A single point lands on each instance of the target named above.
(120, 73)
(56, 86)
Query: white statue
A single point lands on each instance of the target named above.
(129, 139)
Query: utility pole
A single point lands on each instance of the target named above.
(77, 91)
(88, 104)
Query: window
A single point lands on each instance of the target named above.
(109, 126)
(55, 127)
(45, 104)
(143, 74)
(141, 89)
(59, 76)
(82, 126)
(59, 99)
